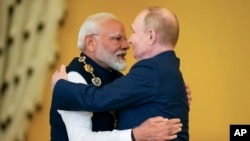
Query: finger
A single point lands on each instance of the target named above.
(174, 121)
(158, 119)
(189, 97)
(57, 71)
(174, 129)
(171, 137)
(63, 68)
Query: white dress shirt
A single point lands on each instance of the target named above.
(79, 125)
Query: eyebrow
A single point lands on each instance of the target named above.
(116, 34)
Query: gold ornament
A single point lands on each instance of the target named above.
(88, 68)
(96, 81)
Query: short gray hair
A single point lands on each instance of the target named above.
(92, 25)
(166, 24)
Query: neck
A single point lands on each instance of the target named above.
(155, 50)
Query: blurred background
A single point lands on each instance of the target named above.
(36, 37)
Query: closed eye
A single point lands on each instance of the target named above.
(116, 38)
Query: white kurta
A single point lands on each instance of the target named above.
(79, 125)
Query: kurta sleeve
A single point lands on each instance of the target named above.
(78, 125)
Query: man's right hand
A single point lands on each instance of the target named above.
(157, 129)
(61, 74)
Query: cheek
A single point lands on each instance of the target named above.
(136, 50)
(113, 49)
(133, 39)
(136, 43)
(109, 47)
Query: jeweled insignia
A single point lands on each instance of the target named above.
(88, 68)
(96, 81)
(82, 59)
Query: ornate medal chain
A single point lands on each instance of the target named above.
(96, 81)
(88, 68)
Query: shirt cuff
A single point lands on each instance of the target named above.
(125, 135)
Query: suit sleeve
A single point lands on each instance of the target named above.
(139, 86)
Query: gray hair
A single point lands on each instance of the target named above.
(92, 25)
(164, 22)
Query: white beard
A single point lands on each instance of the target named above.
(111, 59)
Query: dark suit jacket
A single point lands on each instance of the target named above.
(153, 87)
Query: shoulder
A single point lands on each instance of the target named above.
(74, 65)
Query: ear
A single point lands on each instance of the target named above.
(151, 36)
(90, 42)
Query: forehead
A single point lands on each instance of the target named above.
(138, 21)
(112, 27)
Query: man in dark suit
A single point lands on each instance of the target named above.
(101, 59)
(153, 87)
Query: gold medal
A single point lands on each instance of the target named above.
(88, 68)
(96, 81)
